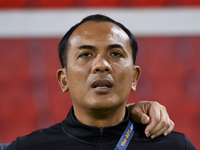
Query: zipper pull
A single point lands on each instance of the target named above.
(101, 133)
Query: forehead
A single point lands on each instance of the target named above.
(99, 31)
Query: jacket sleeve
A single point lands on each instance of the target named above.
(12, 146)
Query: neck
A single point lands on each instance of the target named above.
(100, 118)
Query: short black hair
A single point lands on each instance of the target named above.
(64, 43)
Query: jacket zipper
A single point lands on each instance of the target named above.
(101, 132)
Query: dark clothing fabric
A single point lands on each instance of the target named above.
(3, 146)
(72, 135)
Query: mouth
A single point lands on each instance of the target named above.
(102, 86)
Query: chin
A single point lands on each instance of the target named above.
(104, 105)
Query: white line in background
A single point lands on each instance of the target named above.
(142, 22)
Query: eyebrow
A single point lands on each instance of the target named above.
(115, 46)
(86, 47)
(93, 48)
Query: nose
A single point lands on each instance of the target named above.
(100, 65)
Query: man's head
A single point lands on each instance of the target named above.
(100, 72)
(64, 43)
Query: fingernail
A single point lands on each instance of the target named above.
(165, 134)
(153, 136)
(147, 134)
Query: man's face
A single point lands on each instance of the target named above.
(100, 72)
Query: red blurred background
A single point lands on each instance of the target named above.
(30, 96)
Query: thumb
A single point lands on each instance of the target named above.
(145, 119)
(138, 115)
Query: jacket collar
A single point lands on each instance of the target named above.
(92, 135)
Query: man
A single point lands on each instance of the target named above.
(98, 60)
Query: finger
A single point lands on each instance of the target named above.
(162, 123)
(165, 130)
(160, 129)
(164, 126)
(170, 129)
(160, 132)
(155, 119)
(152, 128)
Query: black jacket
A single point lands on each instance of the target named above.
(72, 135)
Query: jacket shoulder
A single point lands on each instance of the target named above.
(38, 137)
(173, 141)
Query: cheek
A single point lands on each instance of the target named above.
(125, 69)
(76, 76)
(76, 84)
(77, 80)
(125, 76)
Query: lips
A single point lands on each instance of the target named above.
(102, 86)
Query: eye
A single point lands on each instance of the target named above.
(85, 55)
(116, 54)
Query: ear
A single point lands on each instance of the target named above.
(62, 79)
(136, 76)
